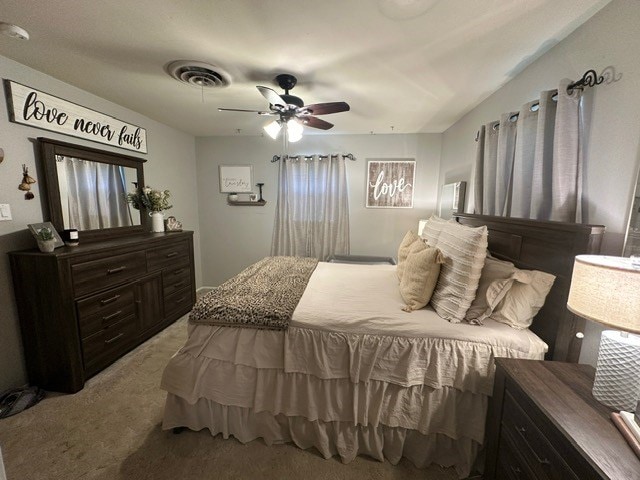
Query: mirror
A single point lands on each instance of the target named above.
(87, 188)
(632, 239)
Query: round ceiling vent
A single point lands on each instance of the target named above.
(198, 74)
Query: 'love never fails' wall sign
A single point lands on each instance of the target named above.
(34, 108)
(390, 183)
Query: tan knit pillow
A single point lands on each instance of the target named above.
(523, 301)
(432, 229)
(403, 250)
(496, 280)
(464, 249)
(421, 271)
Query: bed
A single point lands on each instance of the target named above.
(356, 375)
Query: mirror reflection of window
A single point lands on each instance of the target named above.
(93, 194)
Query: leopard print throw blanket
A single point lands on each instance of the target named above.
(263, 295)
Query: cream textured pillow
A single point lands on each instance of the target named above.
(523, 301)
(464, 249)
(432, 229)
(420, 276)
(496, 280)
(409, 239)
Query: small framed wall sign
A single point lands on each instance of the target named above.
(390, 183)
(236, 178)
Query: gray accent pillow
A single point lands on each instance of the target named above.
(496, 280)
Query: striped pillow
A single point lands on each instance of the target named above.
(432, 229)
(464, 249)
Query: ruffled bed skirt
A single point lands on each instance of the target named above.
(329, 437)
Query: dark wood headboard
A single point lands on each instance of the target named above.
(549, 247)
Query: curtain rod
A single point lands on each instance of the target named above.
(589, 79)
(275, 158)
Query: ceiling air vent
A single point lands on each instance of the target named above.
(198, 74)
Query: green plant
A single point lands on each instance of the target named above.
(152, 200)
(45, 234)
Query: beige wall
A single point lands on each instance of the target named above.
(170, 164)
(612, 117)
(234, 237)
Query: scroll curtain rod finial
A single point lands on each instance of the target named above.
(589, 79)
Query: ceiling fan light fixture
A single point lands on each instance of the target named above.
(273, 129)
(294, 131)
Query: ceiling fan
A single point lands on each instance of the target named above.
(291, 110)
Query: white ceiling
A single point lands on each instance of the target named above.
(416, 65)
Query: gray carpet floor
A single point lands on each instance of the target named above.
(111, 430)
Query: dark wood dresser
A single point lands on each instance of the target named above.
(81, 308)
(543, 423)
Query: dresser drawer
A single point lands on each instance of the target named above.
(542, 458)
(174, 254)
(103, 347)
(178, 303)
(176, 279)
(511, 465)
(97, 274)
(103, 309)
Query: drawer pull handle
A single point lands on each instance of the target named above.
(109, 300)
(111, 340)
(172, 254)
(113, 315)
(177, 285)
(111, 271)
(523, 431)
(181, 299)
(179, 271)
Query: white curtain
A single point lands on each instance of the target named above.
(312, 214)
(95, 194)
(529, 164)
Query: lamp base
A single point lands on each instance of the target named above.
(617, 382)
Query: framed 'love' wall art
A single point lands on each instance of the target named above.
(390, 183)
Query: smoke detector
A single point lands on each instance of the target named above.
(198, 74)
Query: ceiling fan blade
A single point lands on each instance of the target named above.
(272, 97)
(314, 122)
(259, 112)
(325, 108)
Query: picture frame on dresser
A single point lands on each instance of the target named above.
(35, 228)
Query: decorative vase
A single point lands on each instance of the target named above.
(46, 246)
(157, 222)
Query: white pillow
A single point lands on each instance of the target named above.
(496, 280)
(464, 249)
(523, 301)
(432, 229)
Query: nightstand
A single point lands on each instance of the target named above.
(543, 423)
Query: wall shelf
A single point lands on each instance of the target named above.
(240, 203)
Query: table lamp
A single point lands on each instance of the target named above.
(607, 290)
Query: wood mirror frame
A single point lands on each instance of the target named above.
(49, 149)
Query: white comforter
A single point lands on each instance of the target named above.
(350, 355)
